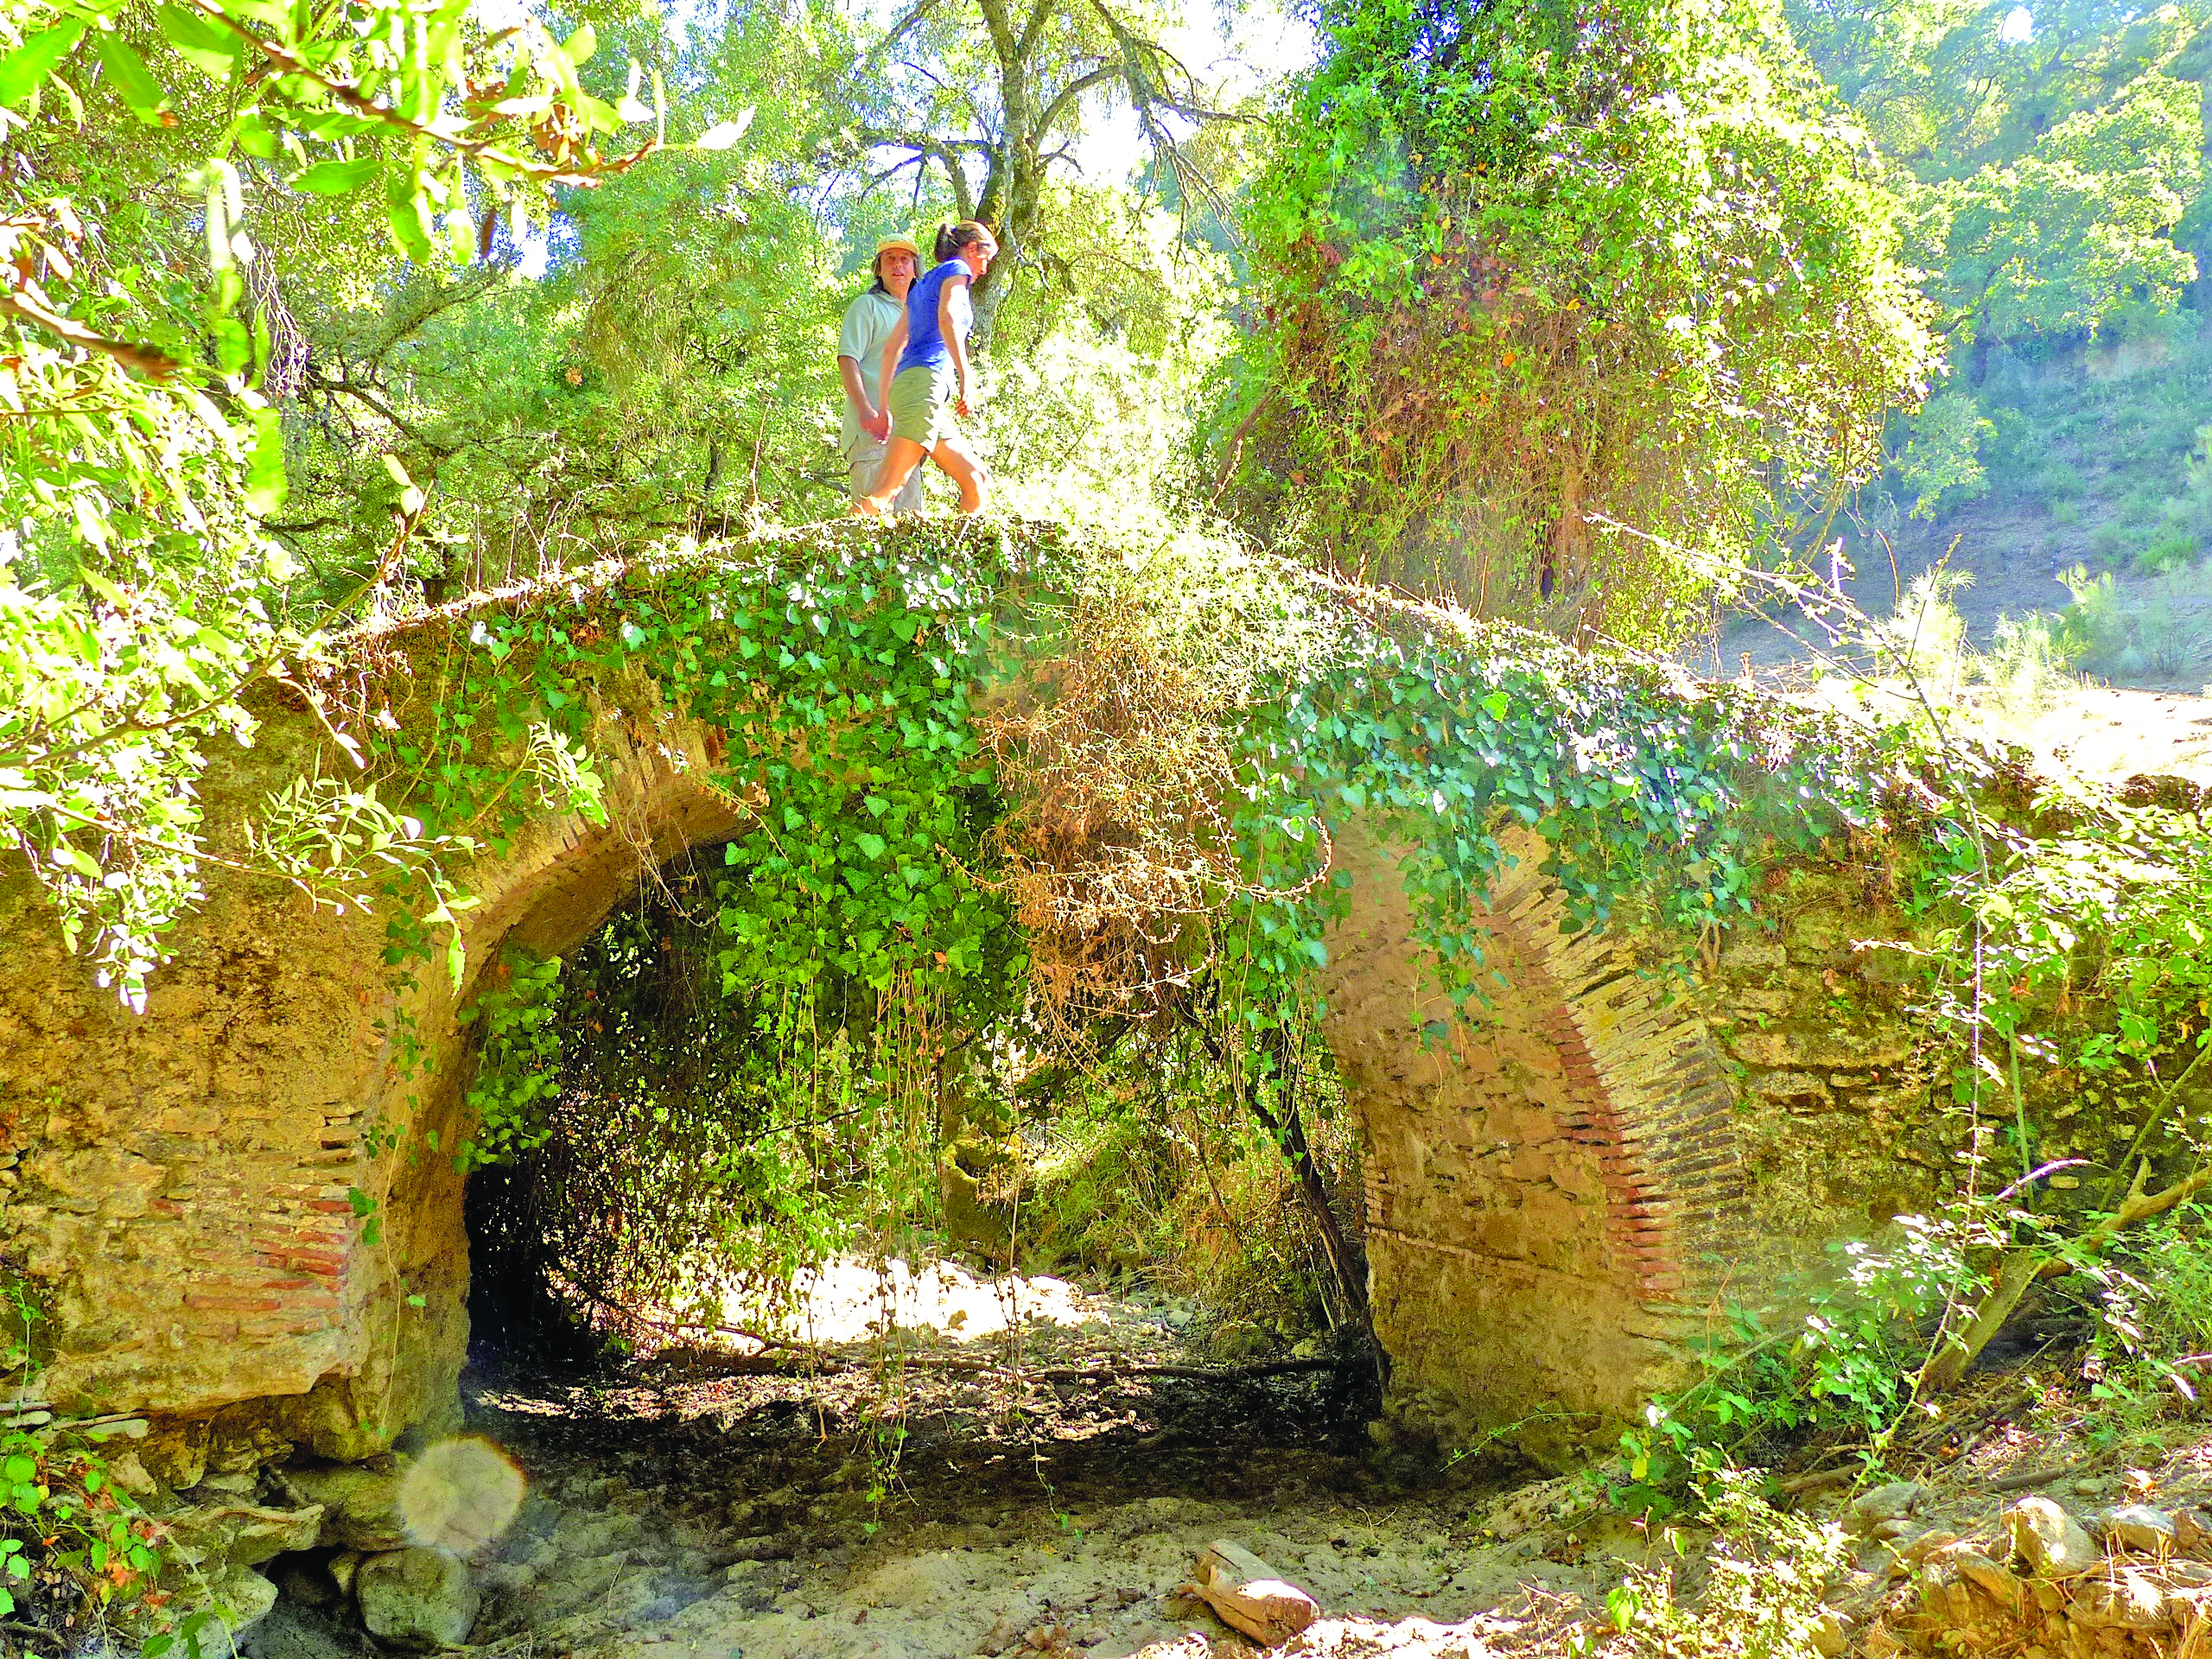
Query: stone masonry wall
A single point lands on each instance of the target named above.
(1564, 1201)
(1560, 1204)
(174, 1187)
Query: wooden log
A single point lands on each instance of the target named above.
(1248, 1595)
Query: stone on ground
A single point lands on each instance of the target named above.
(2052, 1541)
(417, 1597)
(1892, 1502)
(360, 1506)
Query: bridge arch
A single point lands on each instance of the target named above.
(186, 1191)
(1558, 1201)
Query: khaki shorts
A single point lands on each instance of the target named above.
(921, 402)
(865, 459)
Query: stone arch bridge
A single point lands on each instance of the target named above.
(1558, 1207)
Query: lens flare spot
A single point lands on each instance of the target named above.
(461, 1494)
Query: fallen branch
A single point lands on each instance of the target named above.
(2033, 1477)
(816, 1362)
(2022, 1268)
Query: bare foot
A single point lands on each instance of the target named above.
(865, 507)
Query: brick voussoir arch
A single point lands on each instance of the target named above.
(179, 1188)
(1548, 1188)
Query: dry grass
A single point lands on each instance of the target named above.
(1117, 854)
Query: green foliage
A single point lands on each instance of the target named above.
(76, 1549)
(141, 594)
(1941, 459)
(1532, 300)
(517, 1057)
(1765, 1573)
(1845, 1363)
(1656, 801)
(2047, 176)
(845, 924)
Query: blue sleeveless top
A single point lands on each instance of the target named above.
(925, 347)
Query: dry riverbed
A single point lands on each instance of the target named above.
(906, 1507)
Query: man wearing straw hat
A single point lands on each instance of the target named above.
(868, 322)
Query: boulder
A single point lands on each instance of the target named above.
(212, 1536)
(416, 1599)
(2050, 1541)
(2131, 1602)
(242, 1598)
(1993, 1579)
(360, 1505)
(1890, 1502)
(2138, 1527)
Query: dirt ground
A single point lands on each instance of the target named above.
(920, 1495)
(904, 1507)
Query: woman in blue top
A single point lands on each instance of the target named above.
(925, 370)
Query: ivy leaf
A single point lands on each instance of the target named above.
(1498, 703)
(581, 45)
(265, 485)
(29, 63)
(872, 844)
(339, 178)
(205, 45)
(133, 82)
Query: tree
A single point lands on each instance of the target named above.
(2049, 170)
(141, 594)
(985, 95)
(1566, 305)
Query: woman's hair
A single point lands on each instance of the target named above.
(951, 238)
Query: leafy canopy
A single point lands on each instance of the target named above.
(1544, 281)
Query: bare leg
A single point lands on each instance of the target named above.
(900, 457)
(966, 472)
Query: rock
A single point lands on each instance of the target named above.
(1246, 1593)
(1892, 1501)
(243, 1599)
(127, 1471)
(2197, 1574)
(1235, 1341)
(2191, 1528)
(2130, 1602)
(361, 1508)
(1831, 1636)
(1996, 1582)
(768, 1547)
(1926, 1544)
(342, 1568)
(2187, 1607)
(211, 1537)
(2139, 1526)
(1010, 1629)
(417, 1597)
(2050, 1540)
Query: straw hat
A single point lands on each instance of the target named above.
(892, 244)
